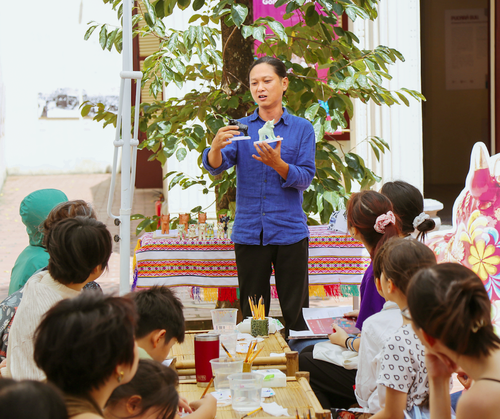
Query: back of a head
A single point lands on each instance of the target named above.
(408, 204)
(81, 340)
(449, 302)
(156, 385)
(68, 209)
(399, 259)
(29, 399)
(363, 209)
(35, 208)
(76, 246)
(158, 308)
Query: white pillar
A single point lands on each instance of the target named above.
(397, 26)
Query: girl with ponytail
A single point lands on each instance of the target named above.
(371, 220)
(451, 313)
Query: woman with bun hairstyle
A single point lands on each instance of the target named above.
(371, 220)
(408, 205)
(451, 313)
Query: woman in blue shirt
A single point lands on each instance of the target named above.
(270, 227)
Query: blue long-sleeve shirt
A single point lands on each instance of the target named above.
(265, 202)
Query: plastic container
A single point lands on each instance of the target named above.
(229, 340)
(206, 347)
(246, 391)
(222, 368)
(224, 319)
(272, 377)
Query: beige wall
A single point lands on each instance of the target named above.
(453, 120)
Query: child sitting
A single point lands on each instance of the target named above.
(402, 378)
(161, 322)
(79, 250)
(152, 393)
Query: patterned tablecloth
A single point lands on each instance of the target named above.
(334, 261)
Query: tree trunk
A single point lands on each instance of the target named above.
(238, 55)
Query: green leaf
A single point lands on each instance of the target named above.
(143, 225)
(279, 30)
(183, 4)
(306, 97)
(376, 151)
(85, 110)
(239, 13)
(312, 16)
(198, 4)
(312, 111)
(89, 32)
(103, 35)
(259, 33)
(151, 13)
(246, 31)
(181, 154)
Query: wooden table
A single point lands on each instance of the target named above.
(297, 395)
(184, 355)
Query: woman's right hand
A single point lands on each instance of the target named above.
(439, 366)
(223, 137)
(352, 314)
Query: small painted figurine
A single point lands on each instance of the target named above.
(192, 231)
(165, 223)
(210, 231)
(267, 131)
(242, 127)
(202, 231)
(181, 231)
(224, 219)
(202, 217)
(230, 229)
(184, 220)
(220, 231)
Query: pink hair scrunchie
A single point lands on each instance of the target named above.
(384, 220)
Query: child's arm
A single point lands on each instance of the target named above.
(395, 405)
(204, 408)
(339, 336)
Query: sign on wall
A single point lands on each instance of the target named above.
(466, 49)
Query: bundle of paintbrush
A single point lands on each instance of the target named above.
(258, 310)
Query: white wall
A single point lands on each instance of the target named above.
(398, 26)
(42, 50)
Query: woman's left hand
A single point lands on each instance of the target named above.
(338, 336)
(184, 405)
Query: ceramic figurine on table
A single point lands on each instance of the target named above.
(202, 231)
(230, 229)
(242, 127)
(165, 223)
(266, 133)
(210, 231)
(224, 219)
(181, 231)
(184, 220)
(202, 217)
(192, 231)
(220, 231)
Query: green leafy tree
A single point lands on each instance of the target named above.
(333, 69)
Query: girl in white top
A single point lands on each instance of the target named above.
(451, 313)
(79, 250)
(402, 376)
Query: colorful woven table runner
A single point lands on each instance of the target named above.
(336, 265)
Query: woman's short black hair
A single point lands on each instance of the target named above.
(278, 65)
(156, 384)
(76, 246)
(27, 399)
(81, 340)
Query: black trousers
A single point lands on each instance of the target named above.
(255, 264)
(332, 384)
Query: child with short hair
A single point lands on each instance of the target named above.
(402, 383)
(79, 250)
(161, 322)
(152, 393)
